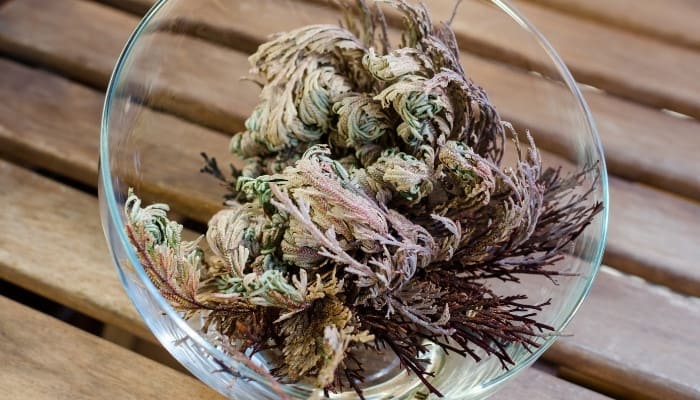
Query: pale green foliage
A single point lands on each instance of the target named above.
(397, 64)
(172, 264)
(360, 120)
(397, 173)
(297, 96)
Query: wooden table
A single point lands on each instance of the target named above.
(636, 336)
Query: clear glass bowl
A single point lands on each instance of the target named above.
(175, 92)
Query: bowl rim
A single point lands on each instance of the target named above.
(114, 209)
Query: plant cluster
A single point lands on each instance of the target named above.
(374, 212)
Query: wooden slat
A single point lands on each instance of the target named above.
(66, 139)
(52, 244)
(638, 338)
(623, 63)
(197, 80)
(89, 284)
(204, 88)
(600, 386)
(654, 235)
(43, 358)
(101, 39)
(534, 384)
(230, 25)
(674, 21)
(234, 22)
(629, 131)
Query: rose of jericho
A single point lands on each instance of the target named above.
(373, 212)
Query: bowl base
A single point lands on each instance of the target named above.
(385, 378)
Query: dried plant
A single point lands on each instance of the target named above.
(373, 212)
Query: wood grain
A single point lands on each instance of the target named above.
(534, 384)
(673, 21)
(43, 358)
(601, 386)
(52, 244)
(65, 140)
(654, 235)
(139, 7)
(197, 80)
(636, 337)
(623, 63)
(229, 24)
(642, 144)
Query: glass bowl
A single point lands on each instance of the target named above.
(176, 92)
